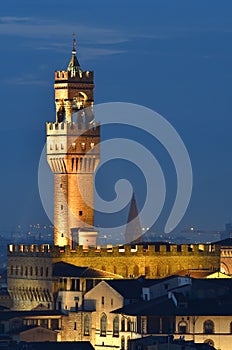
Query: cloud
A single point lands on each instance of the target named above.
(27, 81)
(44, 29)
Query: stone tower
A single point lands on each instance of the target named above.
(73, 155)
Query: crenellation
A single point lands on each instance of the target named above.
(63, 76)
(72, 128)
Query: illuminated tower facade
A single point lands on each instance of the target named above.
(73, 153)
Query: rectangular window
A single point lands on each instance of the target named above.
(75, 326)
(103, 301)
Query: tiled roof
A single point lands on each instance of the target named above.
(7, 315)
(227, 242)
(77, 345)
(165, 306)
(129, 289)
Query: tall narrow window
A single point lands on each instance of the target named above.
(122, 343)
(103, 301)
(116, 327)
(103, 323)
(86, 325)
(123, 325)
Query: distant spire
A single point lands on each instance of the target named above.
(74, 65)
(133, 229)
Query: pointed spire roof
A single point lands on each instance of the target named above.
(74, 65)
(133, 229)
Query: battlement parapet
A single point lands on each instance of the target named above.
(72, 128)
(62, 75)
(30, 250)
(66, 76)
(138, 250)
(127, 250)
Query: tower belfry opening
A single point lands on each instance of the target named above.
(73, 154)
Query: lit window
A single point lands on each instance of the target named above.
(92, 144)
(83, 146)
(74, 145)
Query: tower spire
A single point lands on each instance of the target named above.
(74, 66)
(133, 229)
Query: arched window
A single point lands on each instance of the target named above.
(21, 272)
(123, 325)
(103, 323)
(36, 270)
(46, 272)
(208, 327)
(128, 325)
(122, 343)
(41, 271)
(116, 327)
(182, 327)
(86, 325)
(26, 271)
(31, 271)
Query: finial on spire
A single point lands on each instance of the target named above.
(74, 43)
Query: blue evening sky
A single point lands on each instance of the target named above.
(174, 57)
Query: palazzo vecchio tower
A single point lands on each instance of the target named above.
(73, 153)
